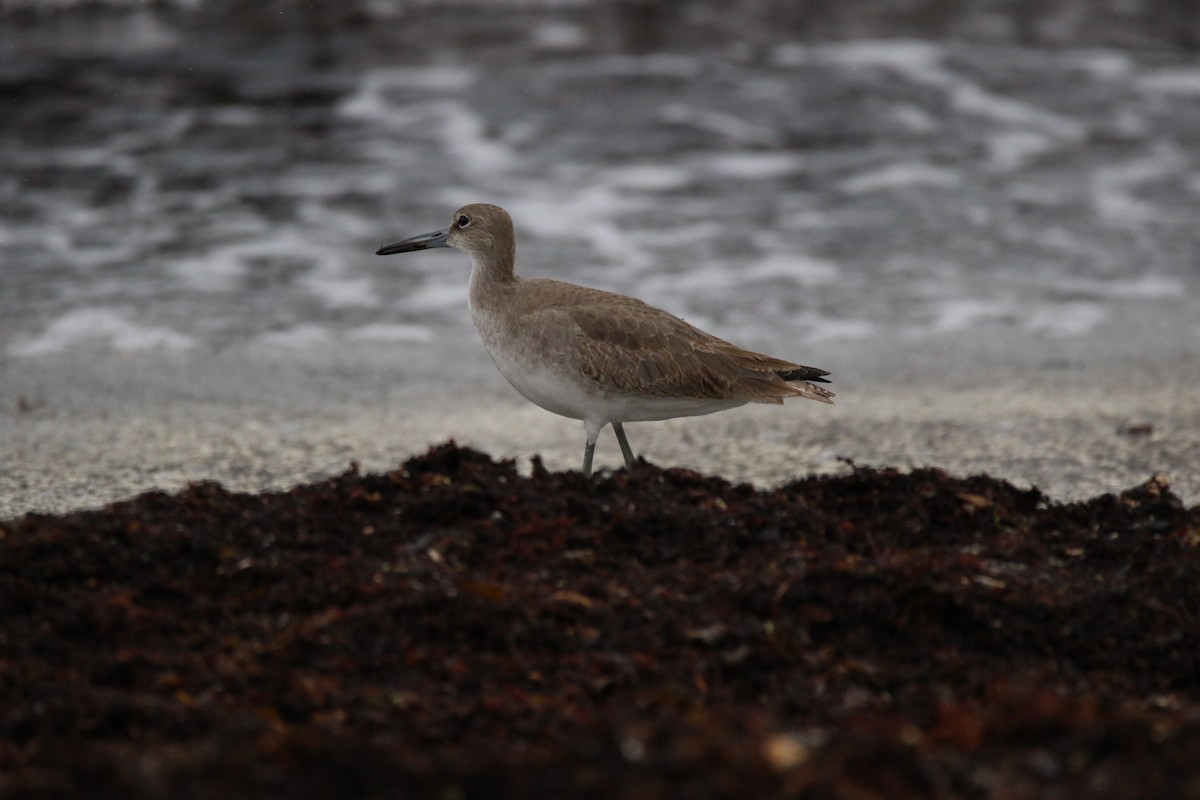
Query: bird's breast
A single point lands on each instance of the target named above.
(534, 367)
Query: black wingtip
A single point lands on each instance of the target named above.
(811, 374)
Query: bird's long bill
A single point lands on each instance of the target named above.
(422, 242)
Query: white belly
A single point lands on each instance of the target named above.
(555, 389)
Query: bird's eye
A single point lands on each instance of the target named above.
(463, 220)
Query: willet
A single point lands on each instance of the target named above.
(600, 357)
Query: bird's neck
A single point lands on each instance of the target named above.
(493, 279)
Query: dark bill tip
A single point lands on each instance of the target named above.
(423, 242)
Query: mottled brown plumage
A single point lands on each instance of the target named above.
(598, 356)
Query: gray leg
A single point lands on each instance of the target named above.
(626, 451)
(588, 450)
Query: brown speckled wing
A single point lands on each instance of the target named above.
(624, 345)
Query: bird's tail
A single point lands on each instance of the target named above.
(802, 379)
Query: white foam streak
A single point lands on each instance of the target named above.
(390, 333)
(803, 270)
(1011, 150)
(559, 36)
(1065, 319)
(557, 215)
(462, 131)
(960, 315)
(653, 66)
(1183, 81)
(752, 166)
(223, 268)
(906, 56)
(900, 176)
(1145, 287)
(465, 135)
(336, 290)
(728, 126)
(972, 99)
(87, 326)
(369, 102)
(1113, 187)
(649, 177)
(447, 293)
(1103, 65)
(922, 63)
(821, 328)
(298, 337)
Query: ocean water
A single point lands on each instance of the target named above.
(179, 187)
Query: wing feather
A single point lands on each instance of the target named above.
(624, 345)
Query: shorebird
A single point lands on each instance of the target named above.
(596, 356)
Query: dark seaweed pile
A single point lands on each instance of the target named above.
(455, 630)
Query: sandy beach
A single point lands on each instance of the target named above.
(84, 431)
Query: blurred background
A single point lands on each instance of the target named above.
(923, 196)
